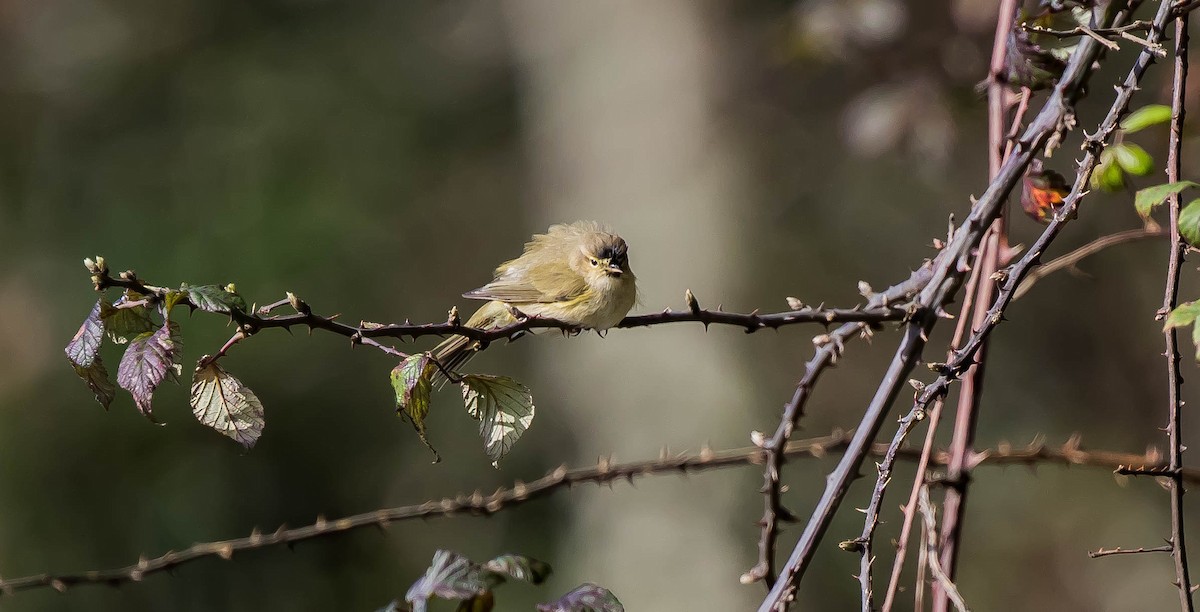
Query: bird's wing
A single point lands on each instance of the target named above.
(546, 283)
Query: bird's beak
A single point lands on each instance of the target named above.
(614, 269)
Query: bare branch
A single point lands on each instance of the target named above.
(1106, 552)
(1170, 300)
(604, 472)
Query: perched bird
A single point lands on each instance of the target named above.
(577, 273)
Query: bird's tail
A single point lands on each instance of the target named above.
(455, 351)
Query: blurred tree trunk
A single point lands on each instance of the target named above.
(620, 127)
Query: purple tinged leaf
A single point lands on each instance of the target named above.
(96, 377)
(504, 408)
(146, 362)
(85, 346)
(586, 597)
(520, 567)
(450, 576)
(222, 402)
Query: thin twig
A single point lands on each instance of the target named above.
(1170, 299)
(1074, 257)
(935, 566)
(1108, 552)
(604, 472)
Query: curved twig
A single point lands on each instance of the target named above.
(1074, 257)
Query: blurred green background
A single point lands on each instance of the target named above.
(379, 158)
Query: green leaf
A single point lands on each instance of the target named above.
(1189, 222)
(504, 408)
(121, 324)
(1183, 315)
(411, 380)
(147, 361)
(222, 402)
(1196, 340)
(1146, 116)
(520, 567)
(214, 298)
(85, 346)
(1107, 175)
(1148, 198)
(1133, 159)
(586, 597)
(171, 300)
(96, 377)
(450, 576)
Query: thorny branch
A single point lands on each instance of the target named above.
(878, 311)
(604, 472)
(947, 273)
(1170, 300)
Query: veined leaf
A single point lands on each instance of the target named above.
(411, 380)
(1133, 159)
(121, 324)
(222, 402)
(450, 576)
(147, 361)
(504, 408)
(1146, 116)
(1184, 314)
(1189, 222)
(85, 346)
(96, 377)
(1148, 198)
(586, 597)
(520, 567)
(214, 298)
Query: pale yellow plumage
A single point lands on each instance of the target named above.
(577, 273)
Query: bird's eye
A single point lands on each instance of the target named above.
(595, 263)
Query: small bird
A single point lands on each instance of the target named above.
(578, 274)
